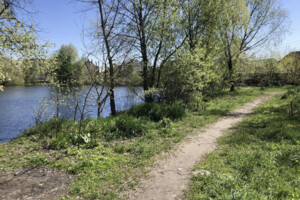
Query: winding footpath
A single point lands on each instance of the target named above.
(169, 178)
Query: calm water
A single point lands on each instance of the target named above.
(17, 106)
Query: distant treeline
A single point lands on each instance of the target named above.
(266, 72)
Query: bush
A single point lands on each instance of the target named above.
(159, 111)
(165, 123)
(123, 126)
(127, 127)
(50, 128)
(60, 141)
(292, 98)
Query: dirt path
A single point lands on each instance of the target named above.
(169, 178)
(33, 184)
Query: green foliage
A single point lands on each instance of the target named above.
(122, 127)
(166, 129)
(128, 74)
(290, 65)
(259, 72)
(12, 74)
(36, 160)
(258, 160)
(61, 140)
(159, 111)
(165, 123)
(18, 39)
(33, 73)
(70, 69)
(81, 138)
(241, 28)
(292, 98)
(60, 133)
(195, 75)
(128, 126)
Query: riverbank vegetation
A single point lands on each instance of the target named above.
(109, 155)
(186, 54)
(258, 159)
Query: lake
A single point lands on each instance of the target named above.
(17, 105)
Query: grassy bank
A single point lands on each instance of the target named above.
(109, 155)
(259, 159)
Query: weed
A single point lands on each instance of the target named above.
(36, 160)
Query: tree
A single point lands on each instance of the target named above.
(129, 73)
(262, 70)
(110, 43)
(154, 26)
(248, 24)
(199, 21)
(17, 38)
(108, 20)
(32, 73)
(12, 72)
(69, 69)
(193, 77)
(290, 65)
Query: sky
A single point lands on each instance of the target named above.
(61, 23)
(291, 41)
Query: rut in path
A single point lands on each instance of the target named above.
(169, 178)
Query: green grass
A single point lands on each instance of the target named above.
(113, 153)
(258, 159)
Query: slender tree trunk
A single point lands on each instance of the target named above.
(232, 88)
(57, 111)
(111, 89)
(98, 107)
(110, 62)
(230, 69)
(143, 45)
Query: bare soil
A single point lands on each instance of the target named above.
(33, 184)
(169, 178)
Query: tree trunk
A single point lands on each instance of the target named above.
(230, 69)
(110, 62)
(112, 93)
(232, 88)
(143, 44)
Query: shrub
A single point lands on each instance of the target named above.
(141, 110)
(91, 144)
(123, 126)
(127, 127)
(50, 128)
(80, 138)
(60, 141)
(159, 111)
(292, 97)
(165, 123)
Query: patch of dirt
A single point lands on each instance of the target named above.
(169, 177)
(33, 184)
